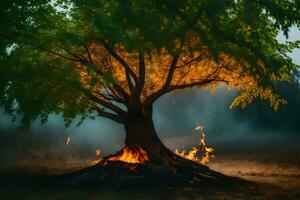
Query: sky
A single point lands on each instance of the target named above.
(256, 129)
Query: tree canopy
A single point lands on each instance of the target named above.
(78, 57)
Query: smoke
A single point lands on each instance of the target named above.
(257, 129)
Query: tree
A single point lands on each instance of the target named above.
(116, 58)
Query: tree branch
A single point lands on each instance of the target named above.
(210, 78)
(108, 115)
(142, 70)
(122, 62)
(224, 37)
(122, 92)
(140, 85)
(184, 75)
(41, 48)
(117, 87)
(189, 62)
(116, 95)
(80, 58)
(89, 54)
(102, 113)
(110, 97)
(198, 83)
(149, 101)
(129, 81)
(107, 105)
(171, 72)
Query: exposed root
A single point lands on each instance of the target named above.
(172, 170)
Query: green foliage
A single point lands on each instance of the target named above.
(249, 96)
(35, 86)
(35, 82)
(108, 78)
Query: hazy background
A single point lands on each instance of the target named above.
(257, 132)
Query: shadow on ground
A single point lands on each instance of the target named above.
(17, 185)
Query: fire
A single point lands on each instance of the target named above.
(68, 140)
(94, 162)
(97, 154)
(192, 154)
(131, 155)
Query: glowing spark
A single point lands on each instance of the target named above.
(199, 128)
(68, 140)
(98, 152)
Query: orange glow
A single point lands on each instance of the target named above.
(131, 155)
(97, 154)
(94, 162)
(158, 65)
(68, 140)
(201, 146)
(194, 69)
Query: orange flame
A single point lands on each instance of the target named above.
(131, 155)
(94, 162)
(192, 154)
(97, 153)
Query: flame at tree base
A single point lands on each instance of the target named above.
(201, 146)
(135, 154)
(128, 155)
(131, 155)
(138, 165)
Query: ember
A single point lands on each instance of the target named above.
(68, 140)
(96, 161)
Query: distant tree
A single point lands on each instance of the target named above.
(116, 58)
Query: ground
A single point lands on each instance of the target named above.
(274, 181)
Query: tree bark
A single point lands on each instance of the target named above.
(140, 132)
(162, 168)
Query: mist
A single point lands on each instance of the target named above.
(258, 129)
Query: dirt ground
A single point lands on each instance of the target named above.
(27, 187)
(274, 181)
(285, 175)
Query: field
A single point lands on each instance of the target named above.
(274, 181)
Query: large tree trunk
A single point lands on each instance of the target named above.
(162, 168)
(140, 132)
